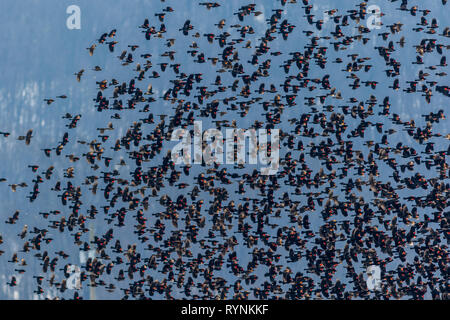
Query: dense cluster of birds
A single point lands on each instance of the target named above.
(340, 201)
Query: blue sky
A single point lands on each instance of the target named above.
(39, 56)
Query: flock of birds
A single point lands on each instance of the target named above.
(328, 208)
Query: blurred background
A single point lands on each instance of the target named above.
(39, 56)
